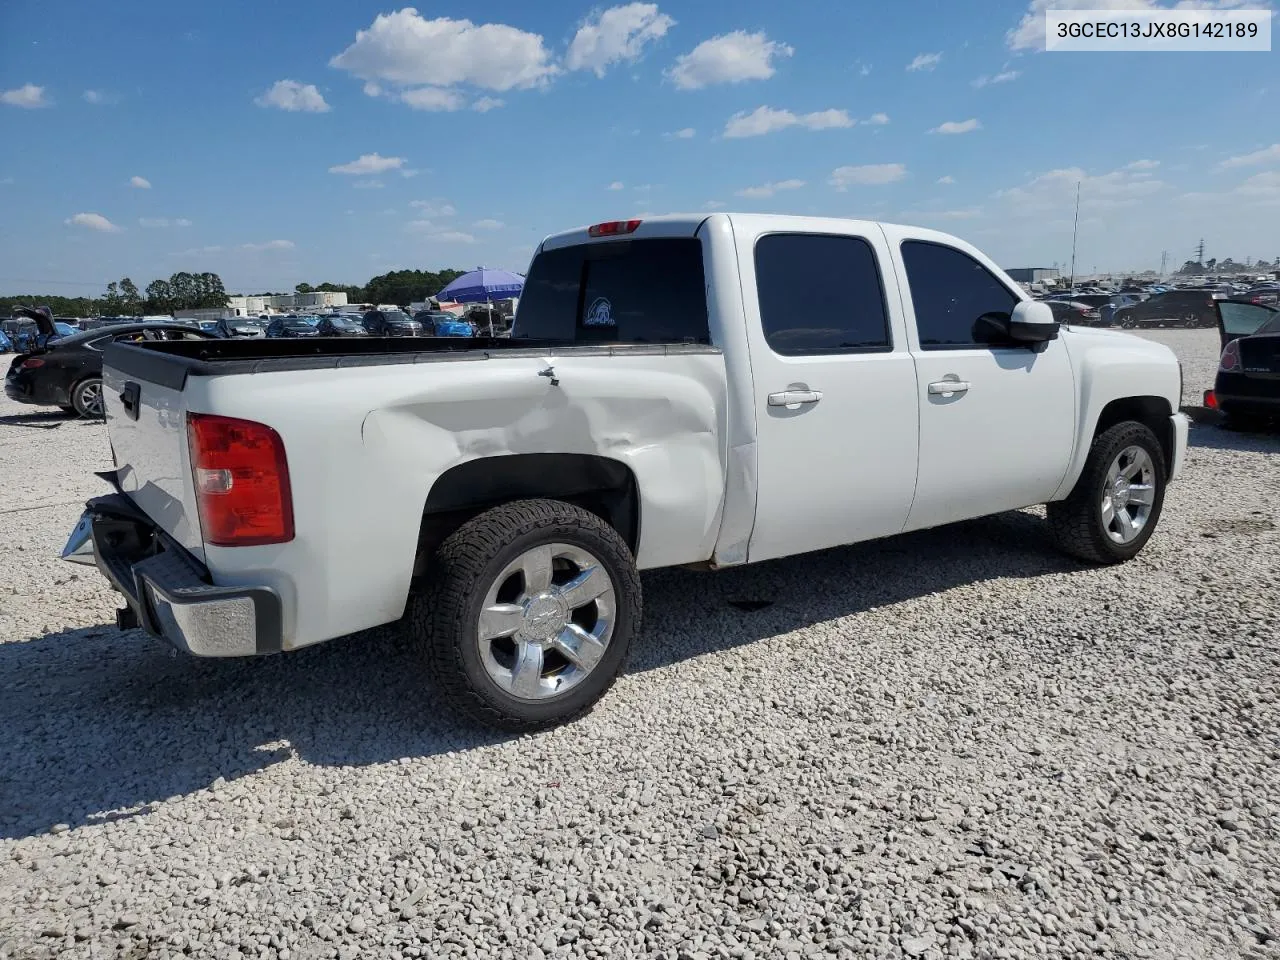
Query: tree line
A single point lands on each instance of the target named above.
(186, 291)
(1193, 268)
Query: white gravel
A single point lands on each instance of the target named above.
(955, 743)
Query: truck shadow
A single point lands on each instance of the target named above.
(99, 725)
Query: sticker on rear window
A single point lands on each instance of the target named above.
(599, 314)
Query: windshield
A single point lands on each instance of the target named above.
(396, 316)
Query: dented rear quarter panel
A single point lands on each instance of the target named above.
(366, 444)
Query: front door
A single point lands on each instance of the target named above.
(834, 387)
(997, 419)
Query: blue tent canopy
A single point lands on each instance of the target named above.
(483, 284)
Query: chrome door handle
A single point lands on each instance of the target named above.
(945, 388)
(789, 398)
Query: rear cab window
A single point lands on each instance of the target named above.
(617, 291)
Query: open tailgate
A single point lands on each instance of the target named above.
(147, 424)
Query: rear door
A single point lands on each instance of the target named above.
(997, 419)
(833, 385)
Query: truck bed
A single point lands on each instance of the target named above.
(169, 363)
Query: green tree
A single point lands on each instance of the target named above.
(304, 288)
(112, 303)
(132, 300)
(159, 297)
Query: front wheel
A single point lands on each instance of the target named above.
(86, 398)
(1115, 505)
(1127, 321)
(530, 613)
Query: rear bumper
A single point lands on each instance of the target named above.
(1248, 406)
(168, 590)
(25, 391)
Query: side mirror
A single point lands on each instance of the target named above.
(1032, 322)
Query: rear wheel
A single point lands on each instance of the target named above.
(86, 398)
(1126, 320)
(1115, 505)
(530, 613)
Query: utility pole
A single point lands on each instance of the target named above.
(1075, 230)
(1200, 252)
(1164, 263)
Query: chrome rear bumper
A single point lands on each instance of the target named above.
(169, 591)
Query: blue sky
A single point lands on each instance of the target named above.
(286, 141)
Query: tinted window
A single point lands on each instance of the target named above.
(629, 291)
(950, 291)
(842, 308)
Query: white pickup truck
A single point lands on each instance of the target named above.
(711, 390)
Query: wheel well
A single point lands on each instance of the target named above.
(605, 487)
(1154, 412)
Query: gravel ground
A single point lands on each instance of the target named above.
(954, 743)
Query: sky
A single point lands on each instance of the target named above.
(333, 140)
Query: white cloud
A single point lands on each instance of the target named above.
(947, 180)
(433, 208)
(1056, 190)
(488, 224)
(162, 222)
(1142, 165)
(372, 89)
(957, 126)
(436, 232)
(453, 236)
(713, 205)
(368, 184)
(871, 174)
(1004, 77)
(1029, 33)
(293, 96)
(616, 185)
(864, 70)
(407, 50)
(1269, 154)
(434, 99)
(266, 246)
(1263, 186)
(94, 221)
(485, 104)
(28, 96)
(924, 61)
(369, 163)
(877, 120)
(730, 58)
(688, 133)
(142, 183)
(769, 189)
(618, 35)
(763, 120)
(99, 97)
(196, 251)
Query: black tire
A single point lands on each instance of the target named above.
(444, 617)
(81, 398)
(1076, 523)
(1126, 321)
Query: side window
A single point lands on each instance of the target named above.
(950, 291)
(820, 294)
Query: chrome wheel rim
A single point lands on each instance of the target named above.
(91, 398)
(1128, 495)
(546, 621)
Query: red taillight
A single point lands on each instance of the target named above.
(612, 228)
(242, 481)
(1210, 400)
(31, 363)
(1230, 360)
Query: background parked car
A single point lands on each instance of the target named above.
(241, 327)
(1107, 311)
(391, 323)
(67, 372)
(6, 345)
(339, 325)
(1073, 311)
(290, 327)
(1175, 308)
(437, 323)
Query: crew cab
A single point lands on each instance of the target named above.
(685, 390)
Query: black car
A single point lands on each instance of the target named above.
(1247, 388)
(1073, 311)
(240, 327)
(290, 327)
(340, 326)
(392, 323)
(68, 372)
(1174, 308)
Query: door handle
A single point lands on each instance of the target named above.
(945, 388)
(789, 398)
